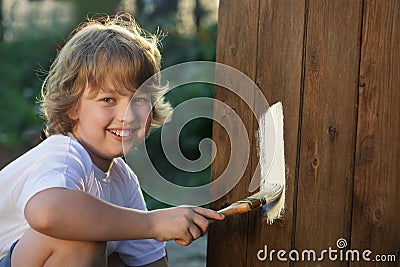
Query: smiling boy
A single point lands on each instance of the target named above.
(104, 121)
(72, 200)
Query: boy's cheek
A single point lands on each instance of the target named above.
(148, 122)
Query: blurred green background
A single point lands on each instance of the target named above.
(32, 31)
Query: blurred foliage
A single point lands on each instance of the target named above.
(21, 73)
(26, 51)
(25, 58)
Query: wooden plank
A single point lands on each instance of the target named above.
(279, 72)
(376, 197)
(328, 126)
(236, 47)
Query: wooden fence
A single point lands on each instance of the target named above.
(335, 66)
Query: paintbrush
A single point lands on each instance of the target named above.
(263, 197)
(271, 196)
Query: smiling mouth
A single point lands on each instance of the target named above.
(121, 133)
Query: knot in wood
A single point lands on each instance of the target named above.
(378, 214)
(232, 50)
(314, 162)
(333, 132)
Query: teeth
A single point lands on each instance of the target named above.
(123, 133)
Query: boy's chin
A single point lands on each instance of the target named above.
(127, 147)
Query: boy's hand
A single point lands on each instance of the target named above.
(184, 224)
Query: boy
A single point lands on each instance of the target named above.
(72, 200)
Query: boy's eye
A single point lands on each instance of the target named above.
(108, 100)
(140, 100)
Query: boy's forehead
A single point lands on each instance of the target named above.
(112, 85)
(114, 90)
(117, 89)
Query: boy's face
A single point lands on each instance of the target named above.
(106, 120)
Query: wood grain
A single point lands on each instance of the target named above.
(335, 65)
(279, 76)
(328, 126)
(376, 220)
(236, 47)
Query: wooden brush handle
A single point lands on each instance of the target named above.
(234, 209)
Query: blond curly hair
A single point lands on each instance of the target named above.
(99, 50)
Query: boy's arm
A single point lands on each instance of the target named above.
(76, 215)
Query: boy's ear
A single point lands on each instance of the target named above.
(73, 113)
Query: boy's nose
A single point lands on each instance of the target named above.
(126, 113)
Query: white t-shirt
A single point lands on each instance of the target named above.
(61, 161)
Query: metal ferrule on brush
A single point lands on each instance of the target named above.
(254, 201)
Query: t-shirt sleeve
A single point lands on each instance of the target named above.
(61, 171)
(141, 251)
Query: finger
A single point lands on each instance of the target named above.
(201, 223)
(185, 239)
(181, 242)
(209, 214)
(196, 231)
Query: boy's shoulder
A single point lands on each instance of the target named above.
(67, 144)
(58, 148)
(54, 152)
(122, 167)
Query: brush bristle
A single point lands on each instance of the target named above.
(271, 193)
